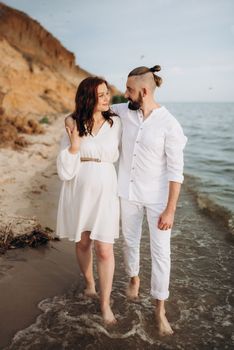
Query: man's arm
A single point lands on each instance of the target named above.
(174, 145)
(120, 109)
(166, 219)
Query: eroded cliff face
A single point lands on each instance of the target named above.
(38, 75)
(31, 88)
(31, 39)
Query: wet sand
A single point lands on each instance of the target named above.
(29, 275)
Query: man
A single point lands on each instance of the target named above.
(150, 177)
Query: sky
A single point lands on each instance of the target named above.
(192, 41)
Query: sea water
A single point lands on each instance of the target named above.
(209, 154)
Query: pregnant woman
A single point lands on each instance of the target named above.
(88, 209)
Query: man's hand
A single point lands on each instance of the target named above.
(166, 220)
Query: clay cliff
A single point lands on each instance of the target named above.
(38, 75)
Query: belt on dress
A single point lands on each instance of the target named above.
(87, 159)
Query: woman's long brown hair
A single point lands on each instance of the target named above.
(85, 102)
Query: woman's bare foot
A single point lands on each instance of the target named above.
(163, 324)
(90, 291)
(132, 291)
(108, 316)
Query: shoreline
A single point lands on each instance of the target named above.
(209, 206)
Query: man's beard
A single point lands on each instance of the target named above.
(135, 105)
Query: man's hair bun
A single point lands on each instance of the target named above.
(156, 68)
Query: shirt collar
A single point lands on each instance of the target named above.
(153, 113)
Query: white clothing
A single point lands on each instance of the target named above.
(151, 157)
(88, 198)
(152, 154)
(132, 217)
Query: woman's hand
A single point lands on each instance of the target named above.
(73, 134)
(166, 219)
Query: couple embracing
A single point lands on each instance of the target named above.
(149, 143)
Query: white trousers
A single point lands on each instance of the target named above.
(132, 216)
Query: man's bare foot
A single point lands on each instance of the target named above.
(108, 316)
(163, 324)
(133, 288)
(90, 291)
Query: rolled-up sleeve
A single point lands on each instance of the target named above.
(174, 145)
(68, 164)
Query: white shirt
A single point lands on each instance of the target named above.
(151, 156)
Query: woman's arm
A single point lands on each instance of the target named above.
(68, 159)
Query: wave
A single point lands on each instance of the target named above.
(208, 203)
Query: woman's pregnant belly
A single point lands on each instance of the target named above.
(97, 177)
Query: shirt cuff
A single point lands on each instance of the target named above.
(176, 178)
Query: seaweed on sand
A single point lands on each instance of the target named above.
(30, 233)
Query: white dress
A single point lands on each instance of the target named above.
(88, 198)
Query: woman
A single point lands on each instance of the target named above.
(88, 206)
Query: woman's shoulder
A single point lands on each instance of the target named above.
(116, 120)
(115, 117)
(117, 125)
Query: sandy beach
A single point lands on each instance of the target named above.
(29, 178)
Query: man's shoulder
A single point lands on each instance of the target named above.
(172, 125)
(169, 118)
